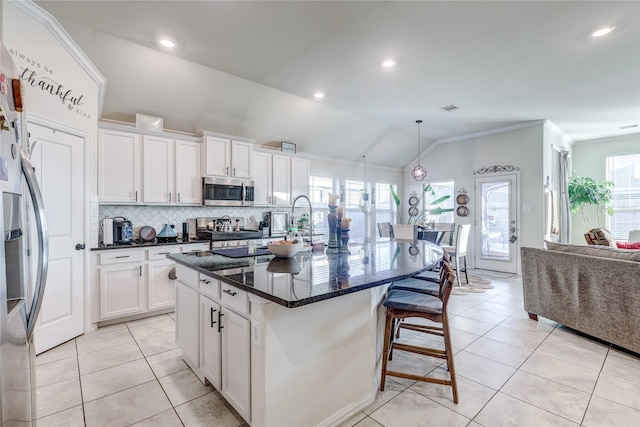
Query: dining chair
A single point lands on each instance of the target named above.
(384, 229)
(405, 231)
(445, 229)
(458, 251)
(402, 305)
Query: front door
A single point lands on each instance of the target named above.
(496, 223)
(58, 159)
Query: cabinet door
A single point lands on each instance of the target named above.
(210, 360)
(122, 290)
(187, 322)
(236, 362)
(299, 177)
(188, 176)
(217, 156)
(118, 167)
(281, 177)
(241, 159)
(262, 178)
(158, 169)
(160, 289)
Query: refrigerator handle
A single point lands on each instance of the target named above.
(43, 242)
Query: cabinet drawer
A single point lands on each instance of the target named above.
(187, 275)
(116, 256)
(210, 286)
(161, 252)
(235, 298)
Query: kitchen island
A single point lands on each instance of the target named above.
(295, 341)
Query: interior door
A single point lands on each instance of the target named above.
(58, 159)
(496, 223)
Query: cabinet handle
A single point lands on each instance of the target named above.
(163, 253)
(205, 281)
(220, 321)
(230, 292)
(178, 197)
(234, 171)
(169, 196)
(226, 172)
(122, 256)
(136, 195)
(212, 321)
(140, 268)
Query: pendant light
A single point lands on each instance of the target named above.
(418, 172)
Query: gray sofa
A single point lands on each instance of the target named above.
(595, 290)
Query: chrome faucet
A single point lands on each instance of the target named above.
(293, 206)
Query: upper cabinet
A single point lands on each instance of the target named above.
(119, 167)
(227, 157)
(150, 169)
(279, 178)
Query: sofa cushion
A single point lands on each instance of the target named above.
(599, 251)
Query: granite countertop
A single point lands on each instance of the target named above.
(311, 277)
(140, 244)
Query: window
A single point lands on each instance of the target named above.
(385, 206)
(359, 226)
(320, 187)
(442, 188)
(624, 172)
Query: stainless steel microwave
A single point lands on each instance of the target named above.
(227, 191)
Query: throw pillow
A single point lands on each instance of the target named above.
(628, 245)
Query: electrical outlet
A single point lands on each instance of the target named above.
(255, 333)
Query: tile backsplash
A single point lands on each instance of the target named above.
(158, 216)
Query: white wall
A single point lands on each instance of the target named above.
(589, 159)
(458, 160)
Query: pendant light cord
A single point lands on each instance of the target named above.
(419, 122)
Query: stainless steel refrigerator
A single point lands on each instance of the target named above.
(19, 307)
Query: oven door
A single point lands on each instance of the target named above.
(222, 192)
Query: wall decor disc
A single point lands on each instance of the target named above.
(413, 211)
(462, 199)
(462, 211)
(413, 201)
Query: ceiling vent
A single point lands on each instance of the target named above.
(629, 126)
(450, 107)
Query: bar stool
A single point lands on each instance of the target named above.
(428, 283)
(402, 304)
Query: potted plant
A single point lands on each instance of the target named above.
(584, 191)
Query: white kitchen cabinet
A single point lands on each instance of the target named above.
(160, 288)
(263, 187)
(119, 167)
(281, 179)
(226, 157)
(188, 176)
(187, 322)
(158, 169)
(210, 352)
(300, 172)
(121, 289)
(236, 362)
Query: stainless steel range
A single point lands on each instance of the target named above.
(226, 231)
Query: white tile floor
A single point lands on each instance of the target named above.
(512, 371)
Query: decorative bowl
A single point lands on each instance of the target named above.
(284, 248)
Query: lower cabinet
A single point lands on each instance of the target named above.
(222, 352)
(161, 287)
(122, 289)
(236, 362)
(210, 324)
(187, 322)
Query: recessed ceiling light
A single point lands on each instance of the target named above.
(318, 95)
(388, 63)
(167, 43)
(450, 107)
(603, 31)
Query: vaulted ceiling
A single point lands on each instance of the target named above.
(502, 63)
